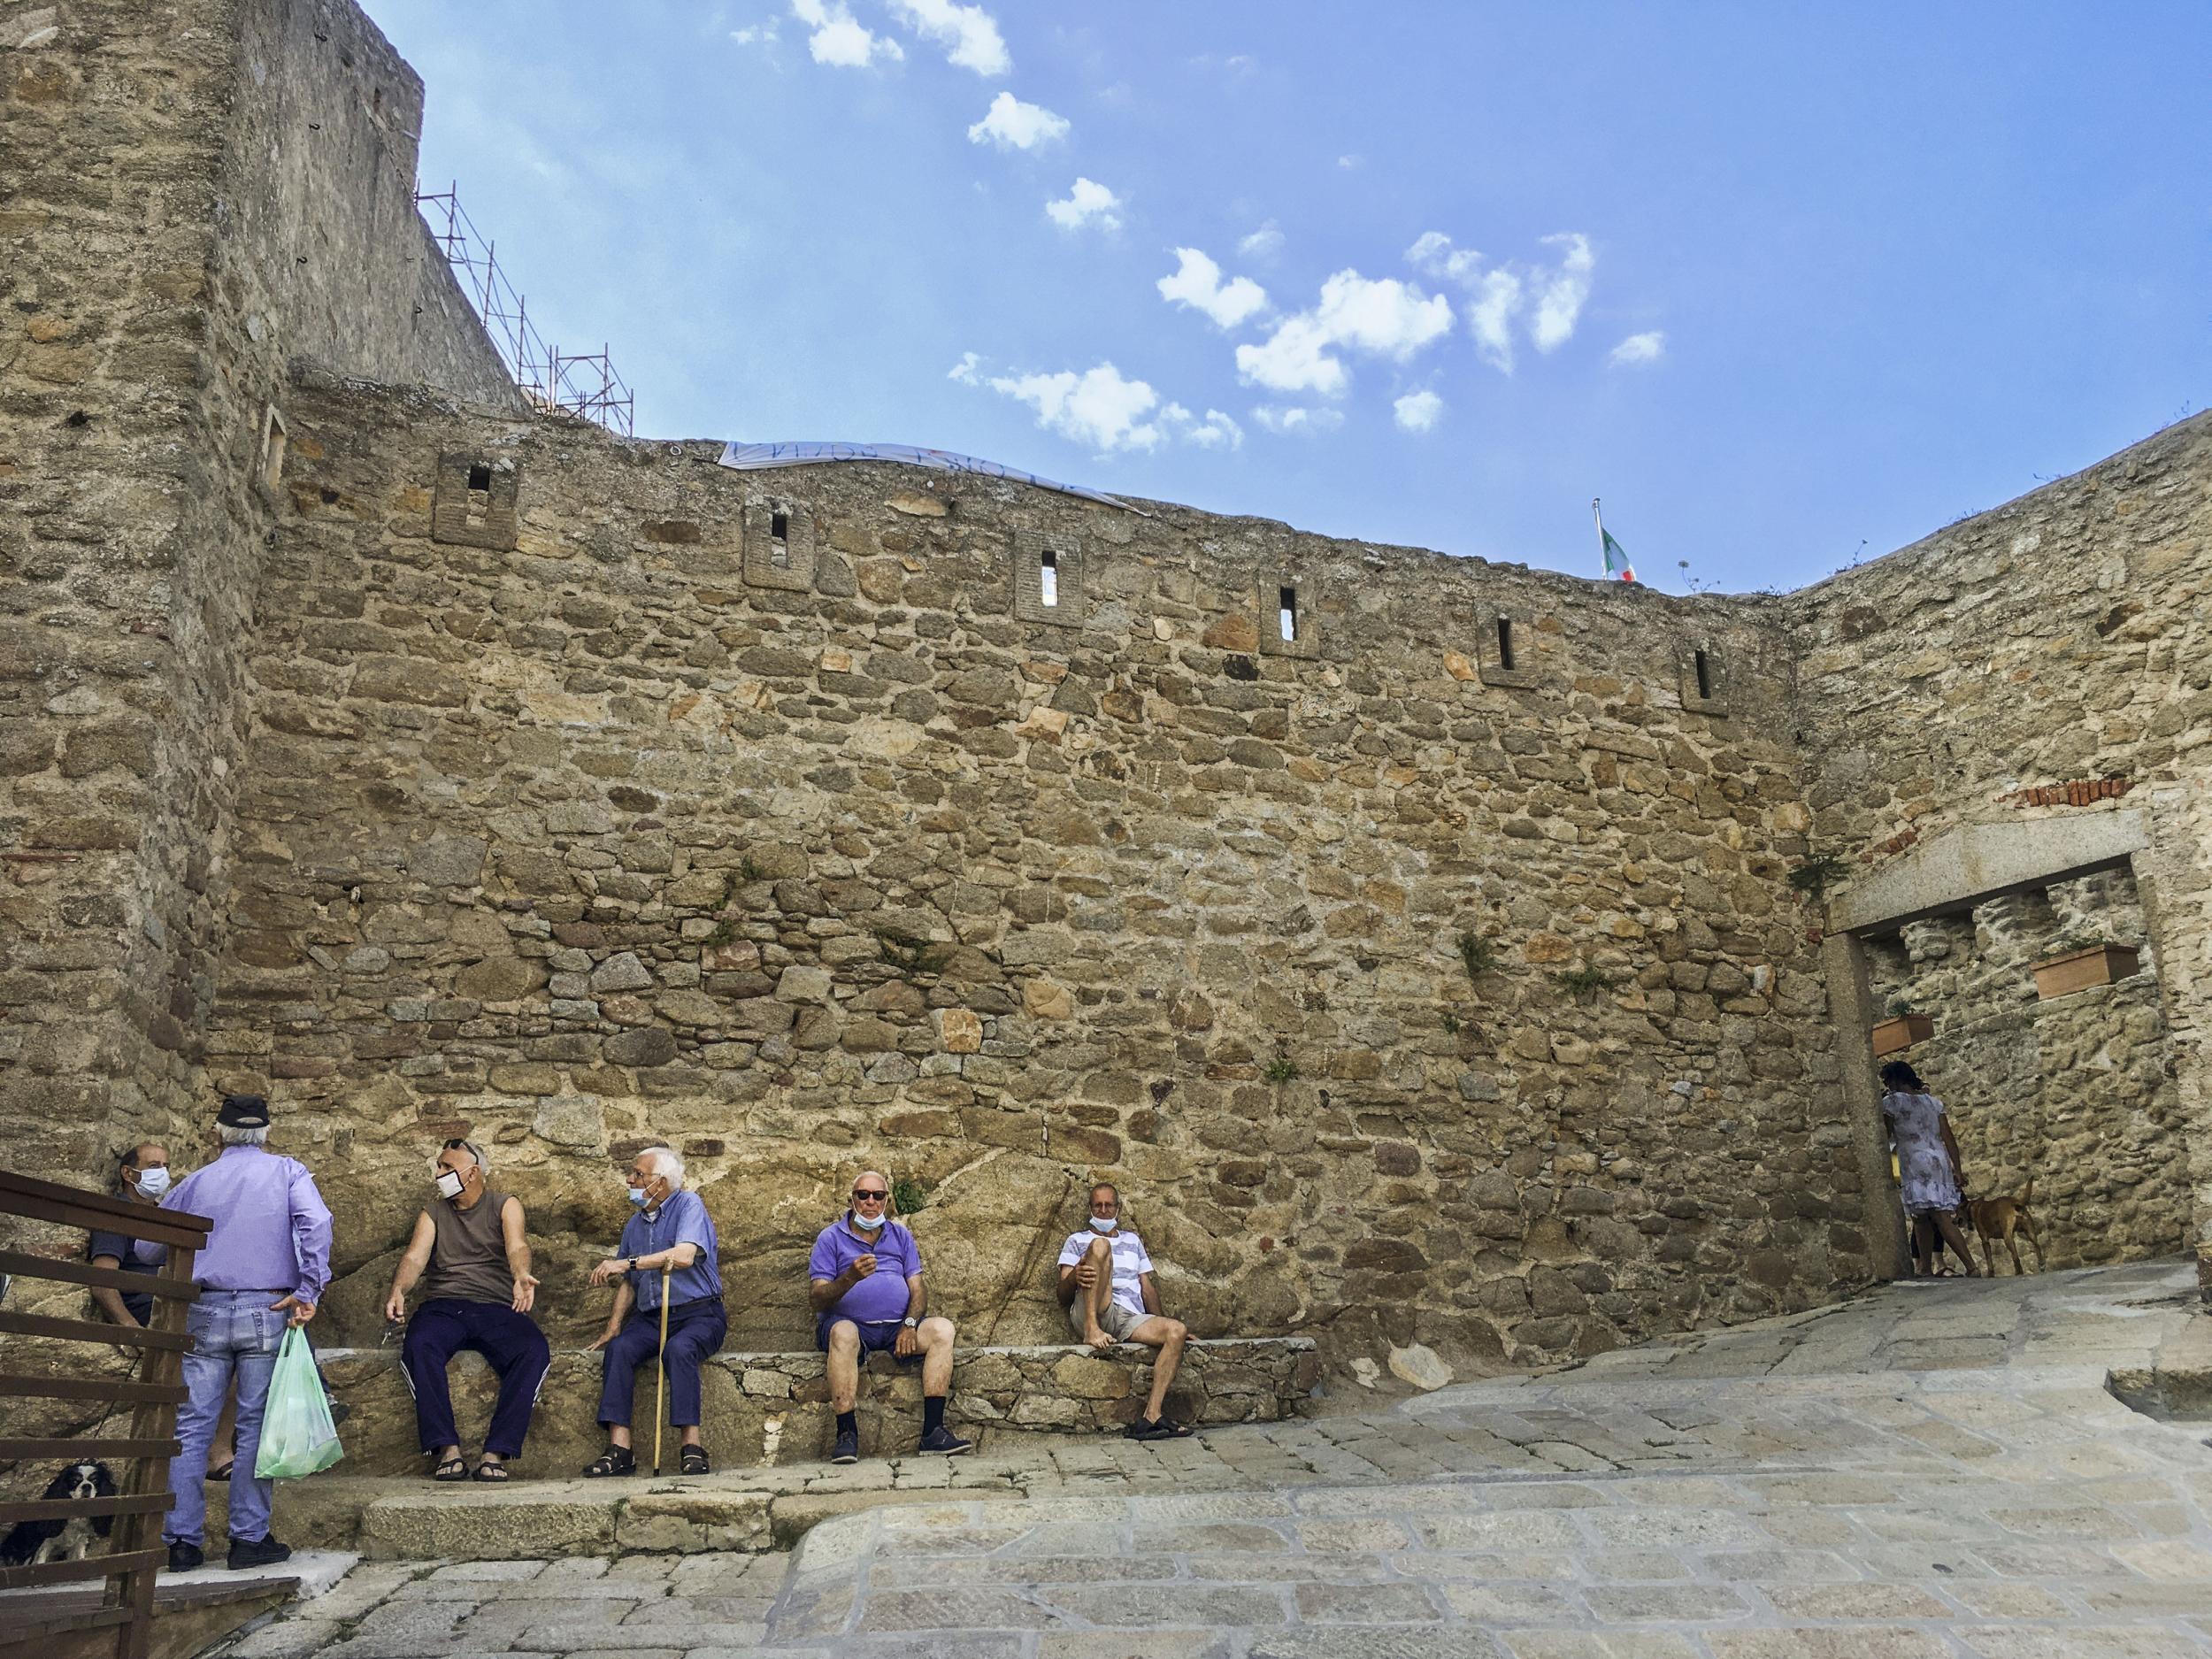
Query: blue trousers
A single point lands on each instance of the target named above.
(512, 1341)
(695, 1329)
(237, 1333)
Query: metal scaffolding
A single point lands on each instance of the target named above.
(583, 383)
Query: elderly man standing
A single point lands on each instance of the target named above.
(1106, 1287)
(867, 1296)
(671, 1229)
(469, 1251)
(263, 1266)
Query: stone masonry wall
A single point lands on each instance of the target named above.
(2051, 657)
(2076, 1093)
(569, 821)
(188, 194)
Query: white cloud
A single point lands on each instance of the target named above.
(968, 34)
(1216, 431)
(1087, 204)
(1012, 125)
(1382, 316)
(756, 35)
(1263, 243)
(964, 370)
(839, 39)
(1196, 282)
(1547, 301)
(1297, 419)
(1349, 162)
(1418, 411)
(1097, 407)
(1559, 302)
(1645, 348)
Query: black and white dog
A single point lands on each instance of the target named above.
(29, 1542)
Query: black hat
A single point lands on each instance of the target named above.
(243, 1111)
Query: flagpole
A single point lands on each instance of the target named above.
(1595, 514)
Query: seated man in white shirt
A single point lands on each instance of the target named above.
(1106, 1287)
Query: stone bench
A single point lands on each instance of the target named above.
(766, 1408)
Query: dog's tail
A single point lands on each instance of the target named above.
(2029, 1190)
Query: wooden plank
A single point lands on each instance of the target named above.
(98, 1278)
(93, 1331)
(152, 1419)
(62, 1509)
(13, 1187)
(160, 1226)
(76, 1451)
(94, 1567)
(111, 1388)
(25, 1627)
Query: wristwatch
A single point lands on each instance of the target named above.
(633, 1259)
(910, 1324)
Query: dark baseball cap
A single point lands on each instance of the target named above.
(243, 1111)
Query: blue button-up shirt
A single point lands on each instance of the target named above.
(272, 1227)
(682, 1219)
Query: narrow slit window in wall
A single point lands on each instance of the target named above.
(1704, 677)
(1505, 642)
(274, 440)
(779, 539)
(1048, 578)
(1288, 598)
(480, 478)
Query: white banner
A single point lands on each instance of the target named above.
(757, 458)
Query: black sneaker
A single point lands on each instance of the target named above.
(185, 1557)
(257, 1552)
(941, 1439)
(847, 1447)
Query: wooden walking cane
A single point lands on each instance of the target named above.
(660, 1398)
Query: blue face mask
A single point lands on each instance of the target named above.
(637, 1196)
(1104, 1223)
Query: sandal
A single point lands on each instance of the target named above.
(693, 1461)
(616, 1460)
(1169, 1429)
(224, 1473)
(1144, 1429)
(452, 1469)
(491, 1471)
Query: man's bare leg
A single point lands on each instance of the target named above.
(1168, 1336)
(935, 1336)
(843, 1365)
(1100, 1256)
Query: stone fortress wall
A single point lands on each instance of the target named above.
(448, 767)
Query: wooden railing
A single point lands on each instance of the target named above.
(135, 1553)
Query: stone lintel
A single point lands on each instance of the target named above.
(1980, 861)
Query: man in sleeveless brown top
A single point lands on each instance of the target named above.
(477, 1292)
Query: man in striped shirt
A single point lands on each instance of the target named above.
(1106, 1287)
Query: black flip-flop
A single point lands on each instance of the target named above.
(454, 1468)
(224, 1473)
(494, 1473)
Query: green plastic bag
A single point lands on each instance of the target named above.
(297, 1436)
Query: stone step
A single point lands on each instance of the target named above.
(764, 1409)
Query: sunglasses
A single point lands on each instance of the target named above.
(862, 1195)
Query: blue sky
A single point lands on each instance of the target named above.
(1786, 284)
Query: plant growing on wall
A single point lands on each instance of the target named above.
(1818, 873)
(1576, 981)
(1477, 953)
(908, 955)
(1899, 1006)
(907, 1196)
(1282, 1068)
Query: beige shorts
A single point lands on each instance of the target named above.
(1117, 1321)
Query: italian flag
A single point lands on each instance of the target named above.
(1617, 566)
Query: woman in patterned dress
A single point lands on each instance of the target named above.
(1928, 1175)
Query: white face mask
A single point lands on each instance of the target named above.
(153, 1183)
(450, 1184)
(637, 1196)
(1104, 1223)
(866, 1223)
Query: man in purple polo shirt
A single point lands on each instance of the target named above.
(867, 1296)
(263, 1266)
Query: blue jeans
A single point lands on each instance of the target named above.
(235, 1331)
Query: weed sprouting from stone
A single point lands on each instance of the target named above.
(1578, 981)
(1817, 875)
(1282, 1068)
(907, 1196)
(1479, 954)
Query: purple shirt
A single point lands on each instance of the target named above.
(881, 1296)
(272, 1227)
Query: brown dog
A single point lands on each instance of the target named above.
(1998, 1219)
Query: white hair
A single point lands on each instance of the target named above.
(233, 1135)
(666, 1161)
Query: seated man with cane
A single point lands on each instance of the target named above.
(669, 1302)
